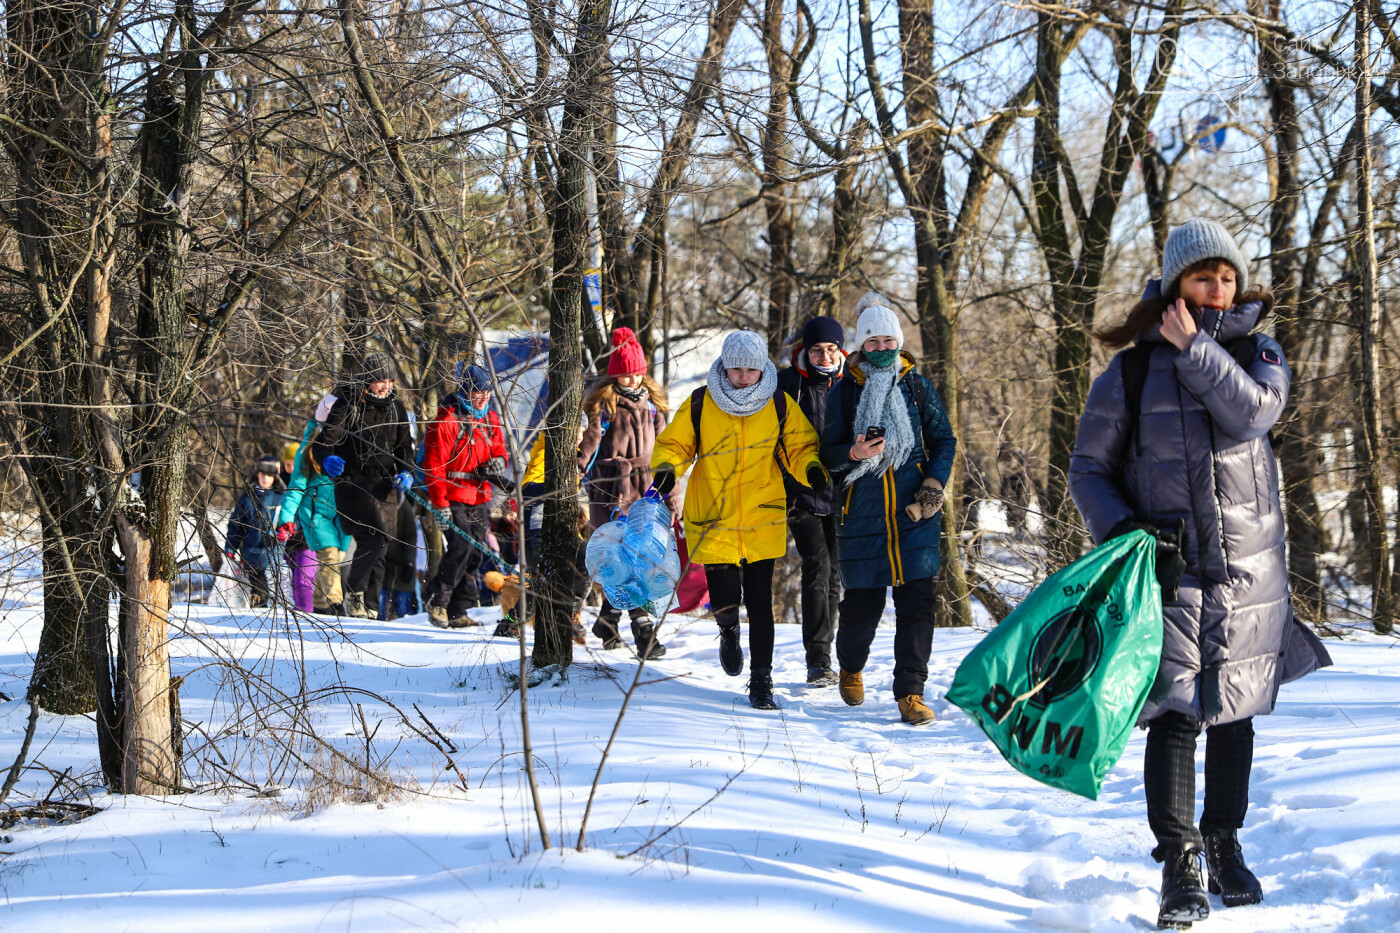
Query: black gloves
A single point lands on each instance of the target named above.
(1170, 562)
(663, 481)
(816, 478)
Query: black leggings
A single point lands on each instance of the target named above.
(1169, 779)
(752, 584)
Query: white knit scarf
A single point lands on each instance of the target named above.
(881, 403)
(741, 402)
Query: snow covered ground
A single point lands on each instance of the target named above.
(820, 817)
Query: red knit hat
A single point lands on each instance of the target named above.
(627, 358)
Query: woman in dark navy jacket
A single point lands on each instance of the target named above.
(889, 497)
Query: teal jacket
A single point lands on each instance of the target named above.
(310, 500)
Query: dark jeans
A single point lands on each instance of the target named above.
(455, 587)
(913, 631)
(370, 522)
(815, 537)
(750, 583)
(1169, 779)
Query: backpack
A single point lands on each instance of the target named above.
(780, 400)
(1136, 362)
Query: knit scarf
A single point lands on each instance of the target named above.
(882, 404)
(476, 414)
(741, 402)
(634, 395)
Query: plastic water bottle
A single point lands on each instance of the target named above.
(660, 581)
(648, 537)
(628, 595)
(607, 559)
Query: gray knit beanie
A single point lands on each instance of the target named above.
(1199, 239)
(744, 349)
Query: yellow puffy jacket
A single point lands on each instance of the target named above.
(735, 503)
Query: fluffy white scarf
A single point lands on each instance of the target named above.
(881, 403)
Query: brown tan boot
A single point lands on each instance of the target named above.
(913, 710)
(852, 687)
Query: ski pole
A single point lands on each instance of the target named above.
(462, 534)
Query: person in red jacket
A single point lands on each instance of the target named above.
(463, 456)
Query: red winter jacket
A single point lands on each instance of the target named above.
(458, 445)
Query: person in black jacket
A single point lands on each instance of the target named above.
(366, 445)
(817, 362)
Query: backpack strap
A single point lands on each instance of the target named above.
(1135, 362)
(780, 403)
(697, 404)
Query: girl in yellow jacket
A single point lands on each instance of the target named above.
(735, 504)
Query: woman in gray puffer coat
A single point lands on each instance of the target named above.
(1175, 436)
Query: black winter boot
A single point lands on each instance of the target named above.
(648, 646)
(731, 653)
(761, 690)
(605, 628)
(1183, 899)
(1229, 876)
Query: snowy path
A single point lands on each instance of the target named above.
(838, 818)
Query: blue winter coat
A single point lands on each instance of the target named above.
(251, 525)
(876, 543)
(310, 501)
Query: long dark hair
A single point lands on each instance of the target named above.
(1149, 311)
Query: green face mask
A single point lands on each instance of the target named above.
(880, 359)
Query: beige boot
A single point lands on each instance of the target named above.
(913, 710)
(852, 687)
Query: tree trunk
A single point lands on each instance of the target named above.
(1369, 323)
(63, 682)
(1297, 454)
(149, 765)
(1075, 281)
(675, 157)
(776, 193)
(558, 566)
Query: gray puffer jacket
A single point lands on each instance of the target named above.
(1202, 453)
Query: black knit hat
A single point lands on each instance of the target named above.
(378, 367)
(267, 463)
(824, 330)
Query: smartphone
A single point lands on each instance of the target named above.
(874, 431)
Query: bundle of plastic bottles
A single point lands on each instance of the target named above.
(634, 557)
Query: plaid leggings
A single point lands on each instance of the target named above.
(1169, 779)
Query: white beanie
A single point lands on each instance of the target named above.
(877, 319)
(744, 349)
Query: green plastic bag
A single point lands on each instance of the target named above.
(1059, 684)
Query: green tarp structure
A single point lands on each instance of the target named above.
(1059, 684)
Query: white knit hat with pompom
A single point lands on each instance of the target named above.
(877, 319)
